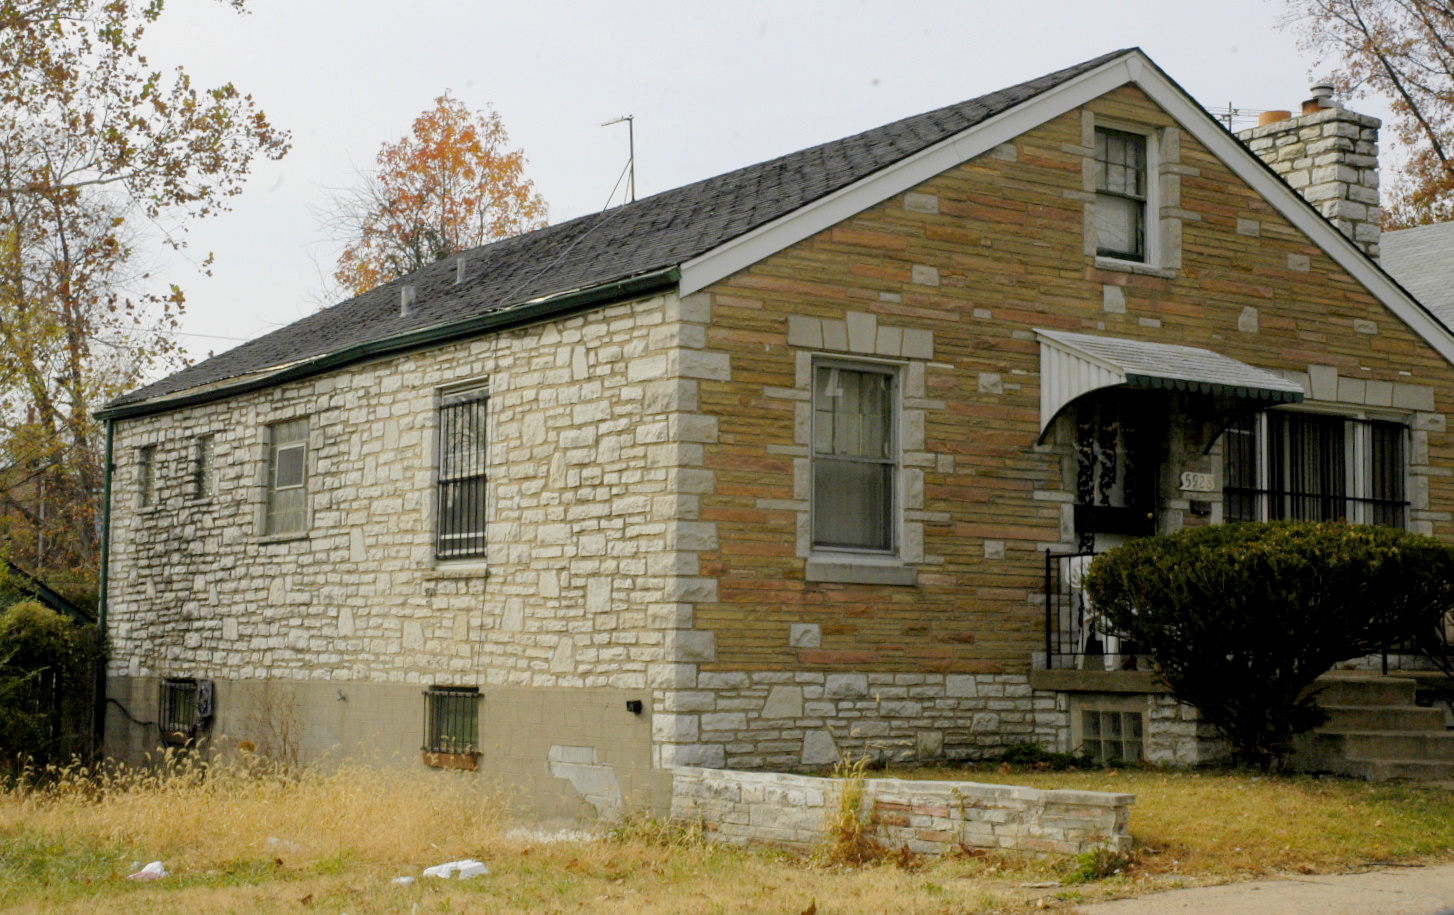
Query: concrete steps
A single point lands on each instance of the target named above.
(1376, 731)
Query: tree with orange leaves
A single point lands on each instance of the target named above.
(1404, 51)
(449, 186)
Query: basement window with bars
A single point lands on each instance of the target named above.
(463, 475)
(452, 720)
(179, 717)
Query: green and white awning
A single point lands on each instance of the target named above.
(1073, 365)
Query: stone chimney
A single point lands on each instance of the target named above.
(1329, 155)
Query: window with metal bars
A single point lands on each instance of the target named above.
(452, 719)
(1284, 465)
(178, 718)
(463, 475)
(1121, 183)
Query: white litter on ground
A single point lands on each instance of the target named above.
(153, 871)
(402, 881)
(464, 869)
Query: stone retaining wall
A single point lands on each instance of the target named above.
(929, 817)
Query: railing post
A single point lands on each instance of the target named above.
(1049, 615)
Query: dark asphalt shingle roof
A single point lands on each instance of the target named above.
(651, 234)
(1422, 260)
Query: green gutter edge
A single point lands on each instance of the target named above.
(553, 307)
(99, 716)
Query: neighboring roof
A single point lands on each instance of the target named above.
(1422, 260)
(1072, 365)
(691, 237)
(657, 232)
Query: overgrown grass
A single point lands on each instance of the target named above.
(1245, 823)
(254, 839)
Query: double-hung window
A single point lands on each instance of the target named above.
(1286, 465)
(463, 475)
(287, 482)
(854, 457)
(1121, 194)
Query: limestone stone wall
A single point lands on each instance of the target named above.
(928, 817)
(592, 456)
(1330, 156)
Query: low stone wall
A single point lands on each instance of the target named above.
(929, 817)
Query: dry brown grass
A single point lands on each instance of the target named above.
(343, 833)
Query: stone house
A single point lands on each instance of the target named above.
(783, 464)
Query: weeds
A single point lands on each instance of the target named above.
(1097, 864)
(848, 838)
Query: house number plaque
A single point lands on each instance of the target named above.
(1198, 482)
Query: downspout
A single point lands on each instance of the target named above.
(99, 724)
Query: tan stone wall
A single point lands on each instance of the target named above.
(948, 282)
(558, 754)
(979, 257)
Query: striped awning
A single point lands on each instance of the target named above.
(1073, 365)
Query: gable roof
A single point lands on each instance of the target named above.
(692, 236)
(1422, 260)
(651, 234)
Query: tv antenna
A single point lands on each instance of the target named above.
(631, 157)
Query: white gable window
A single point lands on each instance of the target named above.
(1285, 465)
(287, 479)
(854, 456)
(1122, 182)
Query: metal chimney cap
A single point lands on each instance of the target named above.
(1323, 92)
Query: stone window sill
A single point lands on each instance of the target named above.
(860, 570)
(468, 568)
(1120, 266)
(284, 538)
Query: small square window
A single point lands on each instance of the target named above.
(452, 720)
(1112, 736)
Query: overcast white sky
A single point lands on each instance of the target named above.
(713, 86)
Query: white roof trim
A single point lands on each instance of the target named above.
(1132, 68)
(1073, 365)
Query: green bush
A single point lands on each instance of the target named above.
(1241, 619)
(46, 665)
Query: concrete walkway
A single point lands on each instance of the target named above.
(1389, 891)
